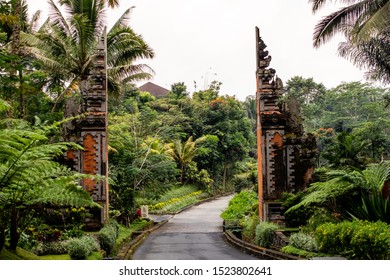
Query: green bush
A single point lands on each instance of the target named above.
(51, 248)
(72, 233)
(299, 216)
(240, 205)
(249, 228)
(107, 236)
(320, 216)
(241, 183)
(372, 241)
(355, 240)
(81, 248)
(265, 233)
(303, 241)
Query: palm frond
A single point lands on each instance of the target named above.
(113, 3)
(124, 18)
(373, 20)
(317, 4)
(57, 18)
(372, 55)
(34, 22)
(336, 22)
(123, 72)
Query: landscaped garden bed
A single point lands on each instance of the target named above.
(322, 235)
(91, 246)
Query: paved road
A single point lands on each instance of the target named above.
(195, 234)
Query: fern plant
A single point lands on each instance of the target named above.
(30, 177)
(367, 185)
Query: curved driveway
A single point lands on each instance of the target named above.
(195, 234)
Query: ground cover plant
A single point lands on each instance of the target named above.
(177, 199)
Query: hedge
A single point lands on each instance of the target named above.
(355, 240)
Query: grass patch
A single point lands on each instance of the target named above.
(7, 255)
(125, 233)
(291, 250)
(93, 256)
(20, 254)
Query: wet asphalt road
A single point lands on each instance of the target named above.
(195, 234)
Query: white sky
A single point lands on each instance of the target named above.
(205, 40)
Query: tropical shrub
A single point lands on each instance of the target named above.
(364, 187)
(44, 233)
(249, 228)
(265, 233)
(107, 236)
(81, 248)
(303, 241)
(372, 207)
(320, 216)
(240, 183)
(296, 217)
(72, 233)
(355, 240)
(240, 205)
(51, 248)
(31, 177)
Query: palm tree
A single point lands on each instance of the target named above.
(361, 19)
(346, 151)
(183, 153)
(67, 41)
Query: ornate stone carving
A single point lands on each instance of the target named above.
(287, 153)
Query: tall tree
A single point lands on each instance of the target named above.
(184, 153)
(13, 23)
(67, 41)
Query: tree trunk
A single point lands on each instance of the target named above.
(224, 176)
(14, 234)
(15, 50)
(182, 174)
(22, 112)
(17, 27)
(2, 235)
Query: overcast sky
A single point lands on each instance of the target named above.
(205, 40)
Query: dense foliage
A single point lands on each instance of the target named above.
(265, 234)
(240, 205)
(171, 151)
(357, 239)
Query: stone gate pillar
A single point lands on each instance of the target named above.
(90, 132)
(285, 154)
